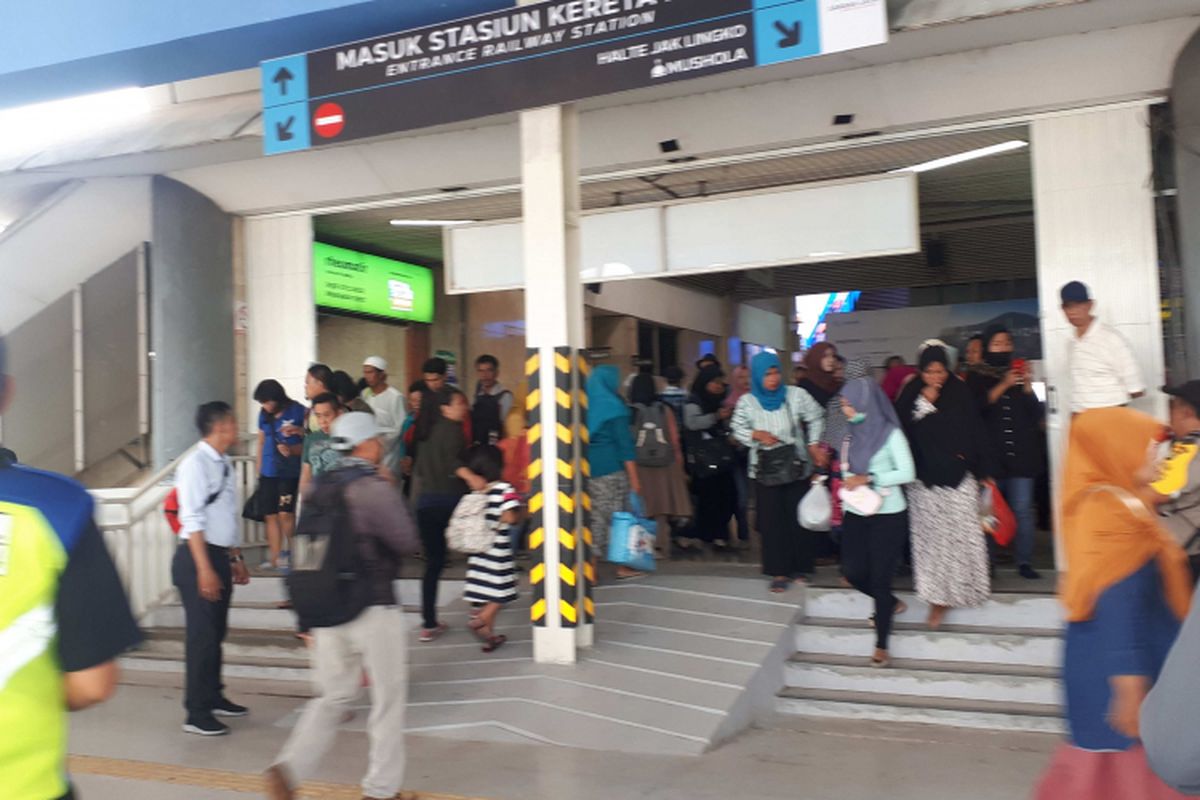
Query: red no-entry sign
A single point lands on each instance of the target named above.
(329, 120)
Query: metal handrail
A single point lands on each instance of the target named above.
(140, 540)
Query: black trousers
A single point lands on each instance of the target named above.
(432, 522)
(207, 623)
(788, 551)
(871, 550)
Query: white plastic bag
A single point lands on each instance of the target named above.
(816, 509)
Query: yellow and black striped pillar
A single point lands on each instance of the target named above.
(552, 478)
(586, 554)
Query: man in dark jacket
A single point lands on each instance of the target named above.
(375, 639)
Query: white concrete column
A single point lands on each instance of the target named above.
(1095, 223)
(281, 325)
(554, 324)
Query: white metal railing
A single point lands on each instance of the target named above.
(140, 540)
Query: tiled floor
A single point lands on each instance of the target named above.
(792, 759)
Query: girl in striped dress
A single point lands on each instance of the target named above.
(492, 574)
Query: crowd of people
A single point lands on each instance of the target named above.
(909, 457)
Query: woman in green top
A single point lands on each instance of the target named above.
(611, 456)
(876, 455)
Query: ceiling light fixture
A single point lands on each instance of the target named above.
(970, 155)
(40, 125)
(430, 223)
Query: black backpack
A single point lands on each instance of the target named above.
(487, 423)
(328, 582)
(652, 447)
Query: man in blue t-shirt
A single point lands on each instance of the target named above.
(278, 462)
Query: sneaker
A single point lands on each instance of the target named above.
(285, 561)
(205, 726)
(227, 708)
(267, 566)
(431, 634)
(1029, 573)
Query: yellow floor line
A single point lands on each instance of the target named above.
(216, 779)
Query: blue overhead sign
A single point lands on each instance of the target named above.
(543, 54)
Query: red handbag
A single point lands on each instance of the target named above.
(1003, 526)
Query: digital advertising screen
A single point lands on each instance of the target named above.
(362, 285)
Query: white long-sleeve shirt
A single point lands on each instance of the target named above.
(800, 421)
(1104, 372)
(203, 473)
(388, 406)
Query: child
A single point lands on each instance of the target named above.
(492, 574)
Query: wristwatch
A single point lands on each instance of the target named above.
(236, 559)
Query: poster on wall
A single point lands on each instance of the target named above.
(877, 335)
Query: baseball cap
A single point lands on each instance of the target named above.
(1075, 292)
(1188, 393)
(351, 430)
(377, 362)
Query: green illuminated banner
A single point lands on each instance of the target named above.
(364, 285)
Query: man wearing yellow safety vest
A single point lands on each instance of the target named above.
(64, 619)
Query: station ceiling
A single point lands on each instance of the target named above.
(980, 213)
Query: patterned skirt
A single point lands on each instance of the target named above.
(950, 557)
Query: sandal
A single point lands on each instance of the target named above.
(494, 643)
(780, 585)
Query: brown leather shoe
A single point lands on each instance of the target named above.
(277, 785)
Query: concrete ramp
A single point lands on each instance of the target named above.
(680, 664)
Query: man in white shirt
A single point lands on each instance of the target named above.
(1104, 373)
(386, 401)
(207, 563)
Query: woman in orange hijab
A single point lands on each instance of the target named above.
(1126, 589)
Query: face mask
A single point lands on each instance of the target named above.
(998, 359)
(858, 419)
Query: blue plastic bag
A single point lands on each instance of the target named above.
(631, 537)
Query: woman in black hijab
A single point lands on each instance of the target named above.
(1012, 416)
(711, 457)
(664, 486)
(944, 429)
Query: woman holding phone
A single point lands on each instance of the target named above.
(1012, 415)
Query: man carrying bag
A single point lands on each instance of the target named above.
(354, 530)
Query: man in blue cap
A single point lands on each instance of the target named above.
(1104, 372)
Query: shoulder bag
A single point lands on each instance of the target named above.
(781, 465)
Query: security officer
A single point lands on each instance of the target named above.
(64, 619)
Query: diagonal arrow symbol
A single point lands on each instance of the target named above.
(791, 33)
(283, 130)
(282, 77)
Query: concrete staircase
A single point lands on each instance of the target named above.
(993, 667)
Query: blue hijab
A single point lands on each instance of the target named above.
(869, 436)
(759, 366)
(604, 399)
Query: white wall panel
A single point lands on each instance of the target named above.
(666, 304)
(812, 223)
(816, 222)
(281, 326)
(622, 244)
(1095, 223)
